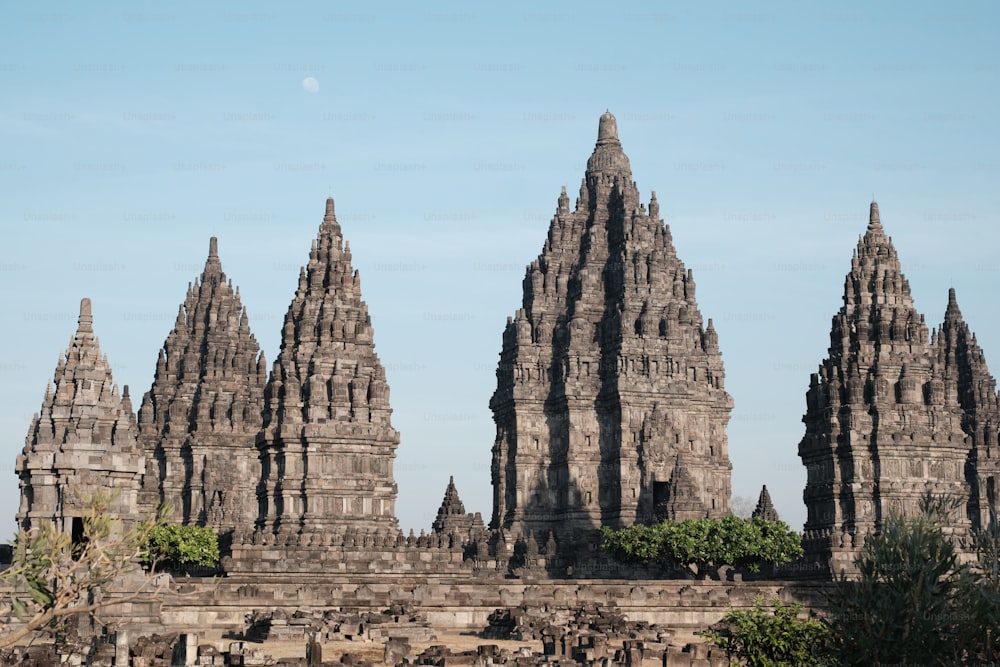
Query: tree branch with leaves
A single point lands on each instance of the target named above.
(55, 577)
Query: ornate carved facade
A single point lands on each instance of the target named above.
(610, 405)
(199, 421)
(452, 519)
(83, 441)
(610, 409)
(893, 414)
(327, 445)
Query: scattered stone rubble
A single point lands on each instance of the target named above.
(338, 625)
(587, 635)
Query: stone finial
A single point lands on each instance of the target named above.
(608, 157)
(213, 266)
(952, 313)
(86, 319)
(874, 222)
(607, 129)
(563, 205)
(765, 508)
(329, 209)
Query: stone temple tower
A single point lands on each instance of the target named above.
(967, 378)
(199, 421)
(83, 441)
(327, 445)
(892, 415)
(610, 404)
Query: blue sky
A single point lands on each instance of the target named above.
(130, 134)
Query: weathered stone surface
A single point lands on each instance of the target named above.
(199, 421)
(328, 445)
(610, 404)
(83, 441)
(967, 378)
(892, 415)
(765, 508)
(452, 518)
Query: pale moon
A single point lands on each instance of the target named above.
(310, 85)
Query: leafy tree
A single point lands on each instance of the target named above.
(761, 639)
(182, 547)
(54, 577)
(914, 602)
(980, 594)
(704, 542)
(636, 544)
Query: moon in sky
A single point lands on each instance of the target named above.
(310, 85)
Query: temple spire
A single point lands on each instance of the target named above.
(904, 399)
(608, 157)
(86, 319)
(82, 440)
(607, 129)
(327, 407)
(213, 266)
(199, 420)
(952, 313)
(452, 518)
(765, 508)
(330, 226)
(609, 266)
(874, 222)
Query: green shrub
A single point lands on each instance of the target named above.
(182, 547)
(761, 639)
(703, 542)
(914, 602)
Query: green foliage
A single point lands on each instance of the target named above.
(980, 594)
(53, 577)
(637, 544)
(702, 542)
(761, 639)
(913, 601)
(182, 547)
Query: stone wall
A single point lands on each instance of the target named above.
(466, 603)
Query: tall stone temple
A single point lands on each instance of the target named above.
(327, 444)
(894, 413)
(610, 405)
(610, 410)
(83, 440)
(199, 421)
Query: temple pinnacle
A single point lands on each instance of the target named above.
(608, 156)
(873, 218)
(86, 320)
(607, 129)
(952, 312)
(213, 266)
